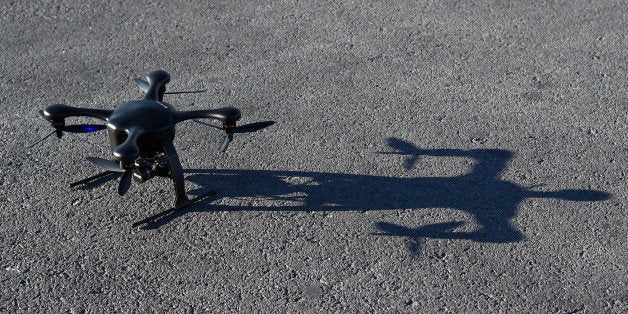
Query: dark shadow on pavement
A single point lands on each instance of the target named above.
(490, 200)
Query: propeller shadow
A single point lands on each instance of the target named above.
(490, 200)
(434, 231)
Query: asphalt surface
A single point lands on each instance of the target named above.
(427, 156)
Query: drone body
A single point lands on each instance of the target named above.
(141, 133)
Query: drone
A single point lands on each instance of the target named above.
(141, 134)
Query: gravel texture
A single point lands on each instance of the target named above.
(462, 156)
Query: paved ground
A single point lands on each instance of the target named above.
(428, 155)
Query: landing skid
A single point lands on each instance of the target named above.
(173, 209)
(175, 173)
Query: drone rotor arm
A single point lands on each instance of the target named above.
(58, 112)
(157, 81)
(128, 151)
(226, 115)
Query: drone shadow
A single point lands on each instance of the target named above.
(490, 200)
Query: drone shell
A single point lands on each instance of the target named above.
(139, 125)
(145, 121)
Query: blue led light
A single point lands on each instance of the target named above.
(89, 128)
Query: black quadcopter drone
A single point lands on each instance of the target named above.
(141, 134)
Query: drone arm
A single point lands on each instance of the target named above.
(156, 85)
(58, 112)
(226, 115)
(128, 151)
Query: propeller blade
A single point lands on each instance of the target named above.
(187, 92)
(225, 143)
(77, 128)
(43, 138)
(253, 127)
(83, 128)
(125, 182)
(142, 84)
(411, 161)
(401, 145)
(105, 164)
(246, 128)
(213, 80)
(207, 124)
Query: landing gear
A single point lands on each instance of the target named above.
(165, 164)
(176, 174)
(172, 210)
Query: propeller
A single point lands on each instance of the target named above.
(127, 174)
(246, 128)
(187, 92)
(143, 85)
(75, 128)
(125, 182)
(225, 142)
(41, 139)
(105, 164)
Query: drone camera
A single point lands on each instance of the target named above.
(143, 174)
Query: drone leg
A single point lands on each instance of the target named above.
(176, 173)
(172, 210)
(92, 178)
